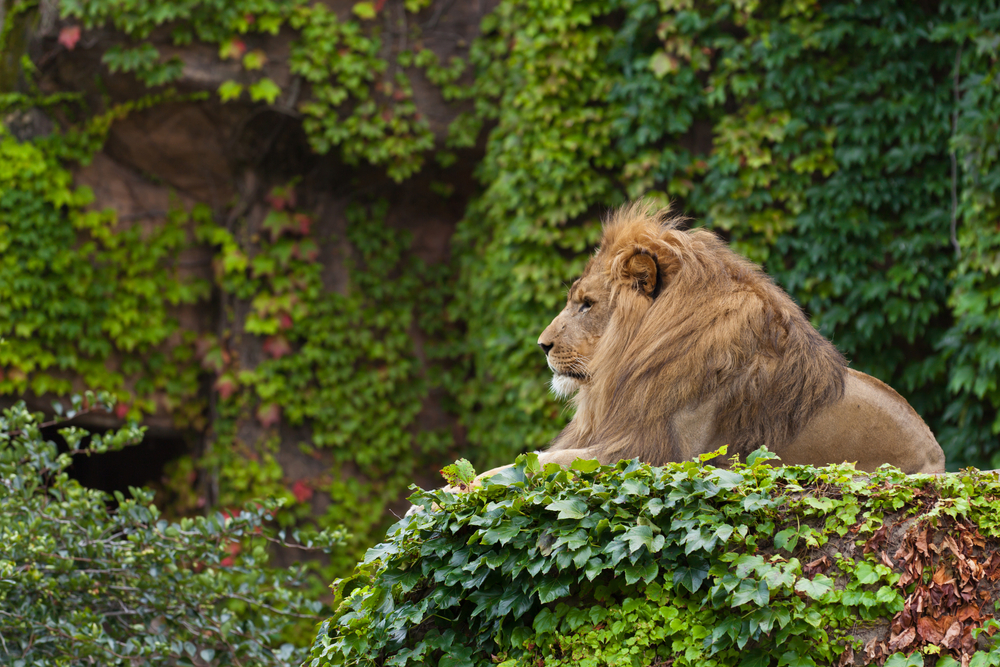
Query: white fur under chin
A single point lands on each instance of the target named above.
(564, 386)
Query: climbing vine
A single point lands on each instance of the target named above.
(80, 292)
(687, 564)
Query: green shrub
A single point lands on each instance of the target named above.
(685, 565)
(87, 579)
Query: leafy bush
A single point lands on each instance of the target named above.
(685, 565)
(85, 579)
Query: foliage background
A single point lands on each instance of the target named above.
(849, 147)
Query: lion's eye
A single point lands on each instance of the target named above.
(585, 306)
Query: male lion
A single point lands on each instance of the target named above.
(674, 346)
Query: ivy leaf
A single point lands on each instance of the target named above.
(545, 621)
(787, 539)
(364, 10)
(254, 60)
(570, 508)
(553, 589)
(662, 64)
(866, 574)
(502, 534)
(585, 465)
(266, 90)
(692, 575)
(230, 90)
(816, 588)
(750, 590)
(460, 473)
(917, 660)
(639, 536)
(756, 658)
(726, 479)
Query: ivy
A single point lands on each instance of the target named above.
(628, 564)
(341, 364)
(75, 288)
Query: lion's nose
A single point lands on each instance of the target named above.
(545, 348)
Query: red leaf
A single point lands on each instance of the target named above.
(305, 222)
(69, 36)
(121, 410)
(268, 415)
(379, 4)
(302, 490)
(235, 49)
(226, 386)
(277, 346)
(281, 197)
(285, 321)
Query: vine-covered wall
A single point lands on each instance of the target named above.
(373, 208)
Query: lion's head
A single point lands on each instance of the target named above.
(665, 321)
(625, 266)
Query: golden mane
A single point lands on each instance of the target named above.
(713, 326)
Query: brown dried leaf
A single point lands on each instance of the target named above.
(969, 611)
(933, 630)
(819, 565)
(921, 542)
(903, 639)
(942, 577)
(952, 638)
(876, 541)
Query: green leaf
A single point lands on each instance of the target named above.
(265, 90)
(816, 588)
(639, 536)
(787, 539)
(553, 589)
(756, 658)
(545, 621)
(459, 473)
(866, 573)
(570, 508)
(364, 10)
(503, 534)
(585, 465)
(692, 575)
(254, 60)
(913, 660)
(751, 591)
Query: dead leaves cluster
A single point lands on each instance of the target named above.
(951, 573)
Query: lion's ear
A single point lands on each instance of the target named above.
(640, 271)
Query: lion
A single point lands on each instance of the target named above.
(672, 345)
